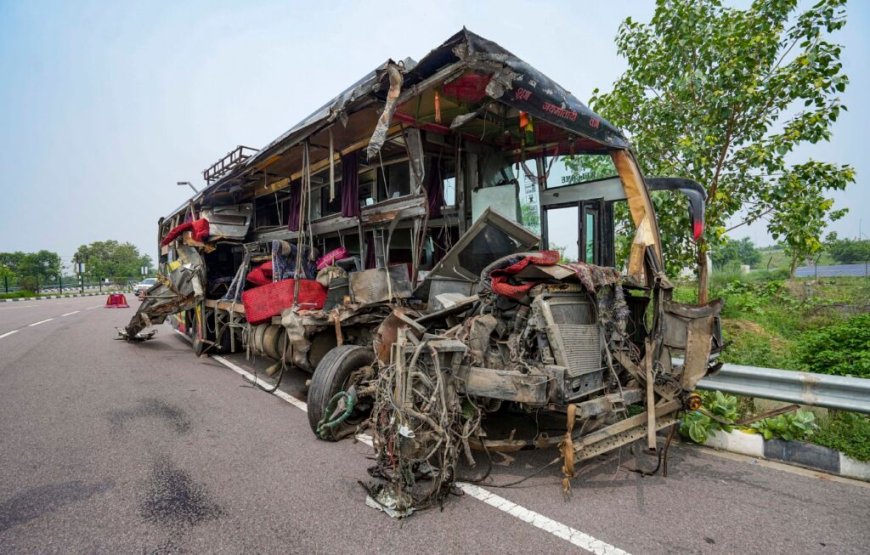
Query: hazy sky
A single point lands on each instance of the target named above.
(104, 106)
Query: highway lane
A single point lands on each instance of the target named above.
(18, 315)
(113, 447)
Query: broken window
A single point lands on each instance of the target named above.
(562, 171)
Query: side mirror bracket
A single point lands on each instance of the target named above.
(692, 190)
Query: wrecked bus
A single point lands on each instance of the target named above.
(438, 246)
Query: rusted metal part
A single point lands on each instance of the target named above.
(650, 396)
(509, 385)
(767, 414)
(380, 285)
(389, 329)
(690, 328)
(380, 133)
(623, 432)
(567, 449)
(181, 290)
(339, 336)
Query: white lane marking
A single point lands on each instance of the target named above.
(40, 322)
(561, 531)
(301, 405)
(572, 535)
(8, 333)
(93, 307)
(71, 313)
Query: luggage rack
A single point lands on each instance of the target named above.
(230, 160)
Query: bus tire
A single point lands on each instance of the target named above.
(330, 377)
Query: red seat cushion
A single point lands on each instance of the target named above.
(261, 303)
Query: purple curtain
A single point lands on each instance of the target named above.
(350, 185)
(434, 188)
(293, 206)
(370, 261)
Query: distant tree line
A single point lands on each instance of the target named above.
(733, 252)
(32, 271)
(112, 259)
(847, 251)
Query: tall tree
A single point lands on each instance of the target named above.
(724, 96)
(733, 251)
(111, 259)
(43, 264)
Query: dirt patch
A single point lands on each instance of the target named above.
(737, 327)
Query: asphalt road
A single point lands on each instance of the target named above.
(109, 447)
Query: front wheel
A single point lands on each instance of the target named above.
(332, 376)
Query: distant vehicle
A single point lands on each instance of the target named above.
(140, 288)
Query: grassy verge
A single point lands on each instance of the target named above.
(18, 295)
(820, 326)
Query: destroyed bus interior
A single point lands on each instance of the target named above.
(439, 247)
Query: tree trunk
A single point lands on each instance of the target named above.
(702, 272)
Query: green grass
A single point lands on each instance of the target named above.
(18, 295)
(766, 318)
(847, 432)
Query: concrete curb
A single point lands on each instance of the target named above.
(799, 453)
(25, 299)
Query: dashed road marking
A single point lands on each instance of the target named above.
(555, 528)
(93, 307)
(8, 333)
(40, 322)
(71, 313)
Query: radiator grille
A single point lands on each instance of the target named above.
(582, 348)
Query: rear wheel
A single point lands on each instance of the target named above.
(333, 375)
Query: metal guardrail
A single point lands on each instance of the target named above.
(803, 388)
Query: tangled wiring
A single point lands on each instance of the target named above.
(421, 426)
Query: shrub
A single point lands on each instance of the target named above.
(790, 426)
(840, 349)
(698, 424)
(28, 283)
